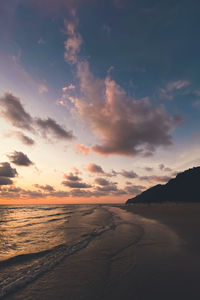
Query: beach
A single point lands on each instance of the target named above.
(135, 252)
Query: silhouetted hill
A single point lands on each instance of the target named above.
(184, 188)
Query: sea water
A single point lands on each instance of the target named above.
(36, 239)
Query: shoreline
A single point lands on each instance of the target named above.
(152, 253)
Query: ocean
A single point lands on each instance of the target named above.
(35, 240)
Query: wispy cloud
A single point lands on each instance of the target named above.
(73, 43)
(22, 137)
(51, 126)
(172, 88)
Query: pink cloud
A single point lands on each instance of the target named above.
(72, 44)
(95, 168)
(82, 149)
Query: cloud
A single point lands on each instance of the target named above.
(20, 159)
(68, 88)
(107, 188)
(155, 178)
(102, 181)
(93, 168)
(74, 181)
(7, 171)
(5, 181)
(170, 90)
(72, 44)
(134, 189)
(81, 193)
(128, 174)
(177, 85)
(47, 187)
(72, 177)
(82, 149)
(49, 125)
(76, 185)
(22, 137)
(12, 110)
(149, 169)
(76, 171)
(42, 88)
(25, 139)
(43, 192)
(125, 126)
(163, 168)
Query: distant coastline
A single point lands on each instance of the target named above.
(185, 187)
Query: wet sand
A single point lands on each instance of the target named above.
(152, 253)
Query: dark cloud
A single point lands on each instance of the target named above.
(102, 181)
(20, 159)
(81, 193)
(163, 168)
(155, 178)
(12, 110)
(149, 169)
(72, 177)
(33, 194)
(110, 187)
(134, 189)
(128, 182)
(76, 185)
(25, 139)
(51, 126)
(47, 187)
(5, 180)
(113, 173)
(167, 169)
(16, 192)
(124, 125)
(7, 171)
(93, 168)
(128, 174)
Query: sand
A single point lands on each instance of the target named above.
(153, 253)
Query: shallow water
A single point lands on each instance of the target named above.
(99, 244)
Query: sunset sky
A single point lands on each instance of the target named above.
(99, 100)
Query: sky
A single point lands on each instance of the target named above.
(99, 100)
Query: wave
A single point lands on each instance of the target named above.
(35, 264)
